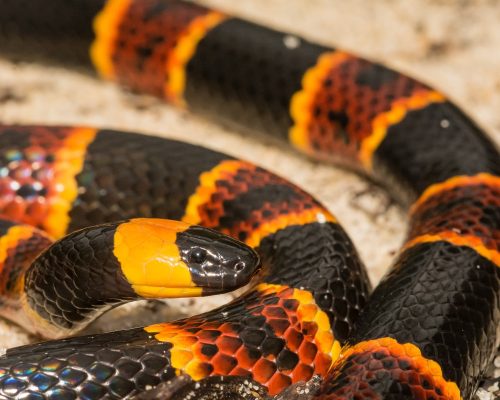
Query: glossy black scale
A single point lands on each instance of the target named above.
(432, 145)
(76, 276)
(333, 274)
(62, 30)
(127, 175)
(112, 365)
(246, 75)
(446, 300)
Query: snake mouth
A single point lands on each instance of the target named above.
(150, 291)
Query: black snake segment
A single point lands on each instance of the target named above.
(430, 327)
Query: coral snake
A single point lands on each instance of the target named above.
(428, 330)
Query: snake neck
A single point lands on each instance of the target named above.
(72, 282)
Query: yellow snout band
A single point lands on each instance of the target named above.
(150, 259)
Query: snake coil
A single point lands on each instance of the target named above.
(430, 327)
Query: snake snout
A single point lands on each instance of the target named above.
(236, 265)
(239, 270)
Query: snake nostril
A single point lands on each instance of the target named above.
(239, 266)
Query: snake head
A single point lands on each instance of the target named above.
(163, 258)
(217, 262)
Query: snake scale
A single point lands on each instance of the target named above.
(427, 331)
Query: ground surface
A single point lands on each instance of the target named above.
(450, 44)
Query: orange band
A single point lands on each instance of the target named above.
(411, 352)
(457, 181)
(184, 51)
(316, 347)
(106, 25)
(383, 121)
(68, 163)
(459, 240)
(302, 101)
(309, 216)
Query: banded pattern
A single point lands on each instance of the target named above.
(239, 187)
(126, 52)
(441, 298)
(463, 210)
(400, 371)
(290, 312)
(276, 334)
(430, 327)
(19, 245)
(369, 117)
(347, 104)
(39, 188)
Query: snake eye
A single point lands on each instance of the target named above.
(197, 255)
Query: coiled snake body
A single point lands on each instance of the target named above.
(429, 328)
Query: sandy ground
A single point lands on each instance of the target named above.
(450, 44)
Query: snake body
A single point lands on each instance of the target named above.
(430, 327)
(294, 301)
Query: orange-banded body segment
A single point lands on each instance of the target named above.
(249, 203)
(383, 367)
(283, 223)
(275, 334)
(68, 163)
(346, 105)
(146, 46)
(19, 246)
(39, 184)
(106, 27)
(463, 210)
